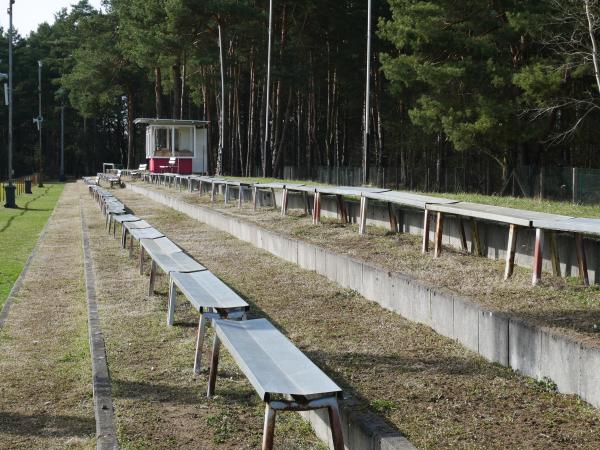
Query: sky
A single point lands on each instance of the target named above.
(28, 14)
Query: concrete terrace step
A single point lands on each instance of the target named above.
(510, 341)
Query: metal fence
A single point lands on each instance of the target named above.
(19, 183)
(557, 183)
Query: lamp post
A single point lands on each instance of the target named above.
(268, 94)
(10, 188)
(365, 159)
(61, 94)
(39, 121)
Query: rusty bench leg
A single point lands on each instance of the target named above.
(269, 428)
(439, 233)
(214, 365)
(581, 259)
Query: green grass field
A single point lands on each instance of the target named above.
(20, 229)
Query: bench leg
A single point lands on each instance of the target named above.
(269, 428)
(364, 204)
(581, 259)
(123, 236)
(510, 251)
(226, 194)
(131, 247)
(554, 254)
(537, 256)
(241, 194)
(152, 278)
(439, 233)
(273, 199)
(199, 344)
(425, 246)
(284, 199)
(254, 194)
(463, 236)
(335, 423)
(475, 240)
(172, 303)
(214, 366)
(141, 260)
(306, 203)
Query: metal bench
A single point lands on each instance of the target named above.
(171, 262)
(128, 227)
(143, 233)
(284, 378)
(212, 298)
(120, 219)
(139, 172)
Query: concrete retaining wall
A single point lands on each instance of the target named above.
(533, 351)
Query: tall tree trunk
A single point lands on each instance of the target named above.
(219, 168)
(158, 92)
(130, 127)
(176, 90)
(251, 116)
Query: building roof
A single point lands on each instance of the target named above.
(172, 122)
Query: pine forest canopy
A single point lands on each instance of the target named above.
(493, 84)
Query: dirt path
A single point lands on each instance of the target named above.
(45, 369)
(432, 389)
(158, 401)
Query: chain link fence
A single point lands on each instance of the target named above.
(555, 183)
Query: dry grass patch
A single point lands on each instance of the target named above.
(429, 387)
(45, 387)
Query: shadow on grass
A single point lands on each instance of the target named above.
(46, 425)
(160, 392)
(25, 209)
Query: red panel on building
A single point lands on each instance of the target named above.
(183, 166)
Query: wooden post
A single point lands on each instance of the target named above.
(392, 217)
(475, 240)
(581, 259)
(214, 365)
(364, 203)
(510, 251)
(439, 232)
(269, 428)
(538, 256)
(463, 235)
(199, 344)
(554, 257)
(425, 247)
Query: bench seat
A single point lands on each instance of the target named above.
(210, 297)
(276, 368)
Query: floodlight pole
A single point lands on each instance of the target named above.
(365, 161)
(40, 119)
(10, 189)
(62, 142)
(268, 93)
